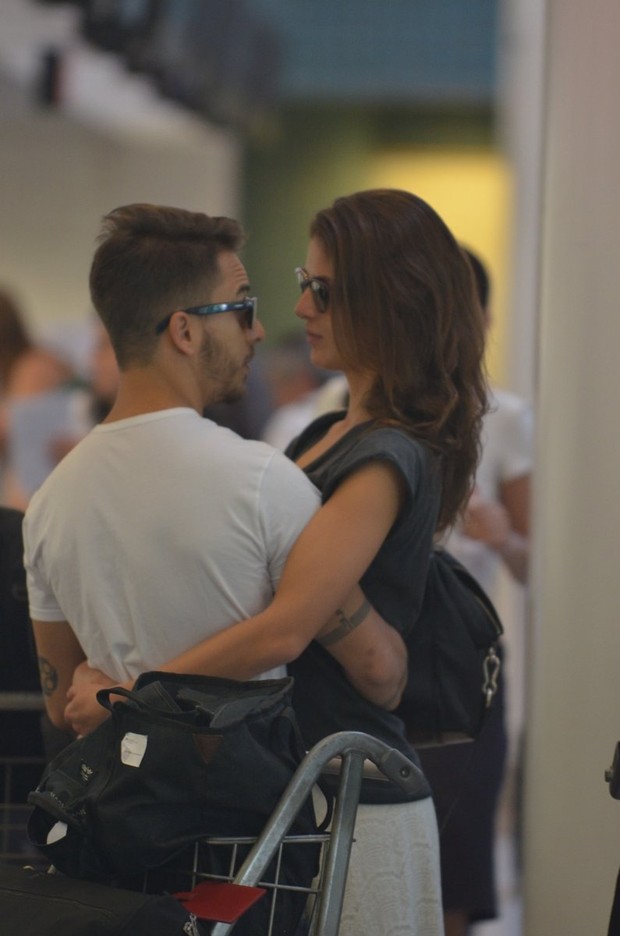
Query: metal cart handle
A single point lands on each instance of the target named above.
(353, 747)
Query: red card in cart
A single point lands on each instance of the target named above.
(219, 900)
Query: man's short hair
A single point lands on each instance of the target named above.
(152, 260)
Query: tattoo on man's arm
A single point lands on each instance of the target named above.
(48, 676)
(346, 625)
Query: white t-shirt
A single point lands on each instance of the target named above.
(507, 454)
(157, 531)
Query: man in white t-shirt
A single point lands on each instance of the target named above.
(160, 528)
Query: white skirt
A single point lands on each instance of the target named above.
(394, 884)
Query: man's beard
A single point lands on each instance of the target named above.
(223, 370)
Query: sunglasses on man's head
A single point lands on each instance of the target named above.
(318, 288)
(245, 307)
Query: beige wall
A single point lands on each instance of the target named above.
(572, 830)
(58, 177)
(471, 188)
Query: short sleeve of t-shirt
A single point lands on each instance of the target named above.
(386, 445)
(518, 430)
(288, 501)
(42, 602)
(507, 443)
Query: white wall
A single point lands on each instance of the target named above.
(58, 177)
(572, 829)
(521, 118)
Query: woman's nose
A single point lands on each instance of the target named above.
(304, 307)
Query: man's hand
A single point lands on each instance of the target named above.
(487, 521)
(502, 526)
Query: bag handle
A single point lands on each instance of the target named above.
(165, 708)
(103, 697)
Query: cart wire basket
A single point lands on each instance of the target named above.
(251, 866)
(19, 773)
(350, 755)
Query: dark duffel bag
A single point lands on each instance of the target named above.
(33, 903)
(182, 758)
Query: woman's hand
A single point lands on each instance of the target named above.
(83, 712)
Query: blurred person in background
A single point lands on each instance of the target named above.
(25, 367)
(248, 415)
(103, 383)
(294, 384)
(42, 427)
(466, 779)
(26, 370)
(496, 525)
(91, 403)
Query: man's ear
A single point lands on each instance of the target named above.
(180, 332)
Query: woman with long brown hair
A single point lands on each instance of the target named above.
(387, 298)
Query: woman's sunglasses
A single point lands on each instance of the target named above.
(319, 289)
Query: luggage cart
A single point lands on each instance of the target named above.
(350, 755)
(18, 774)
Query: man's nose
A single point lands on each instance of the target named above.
(258, 331)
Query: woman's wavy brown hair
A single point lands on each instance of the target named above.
(404, 307)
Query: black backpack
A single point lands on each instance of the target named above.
(454, 657)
